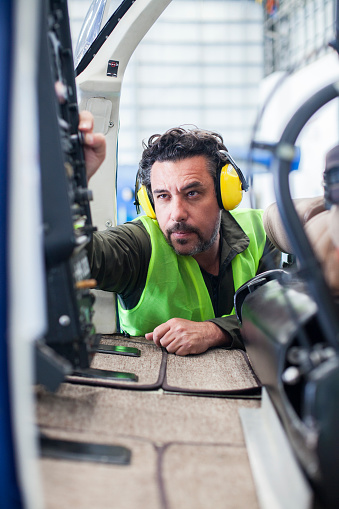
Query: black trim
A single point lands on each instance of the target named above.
(103, 34)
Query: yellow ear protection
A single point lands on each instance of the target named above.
(142, 200)
(229, 188)
(230, 184)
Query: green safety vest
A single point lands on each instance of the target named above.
(175, 287)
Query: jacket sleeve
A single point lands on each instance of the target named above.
(119, 257)
(230, 325)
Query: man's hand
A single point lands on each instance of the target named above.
(95, 144)
(184, 337)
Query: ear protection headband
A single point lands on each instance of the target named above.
(230, 184)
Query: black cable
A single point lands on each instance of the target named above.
(312, 272)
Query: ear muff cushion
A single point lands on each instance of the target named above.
(145, 202)
(230, 187)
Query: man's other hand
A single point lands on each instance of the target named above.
(184, 337)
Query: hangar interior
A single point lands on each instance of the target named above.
(92, 417)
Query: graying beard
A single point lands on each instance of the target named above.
(202, 246)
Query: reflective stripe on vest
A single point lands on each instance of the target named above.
(175, 287)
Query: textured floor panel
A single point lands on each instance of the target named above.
(81, 485)
(154, 416)
(188, 451)
(215, 370)
(178, 475)
(147, 367)
(207, 476)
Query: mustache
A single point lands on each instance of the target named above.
(182, 227)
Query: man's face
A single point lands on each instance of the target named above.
(185, 204)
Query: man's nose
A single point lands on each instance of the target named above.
(178, 210)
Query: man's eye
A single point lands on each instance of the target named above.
(192, 193)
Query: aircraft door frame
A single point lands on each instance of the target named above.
(99, 88)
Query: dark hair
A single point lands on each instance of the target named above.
(179, 143)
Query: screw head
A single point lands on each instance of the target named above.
(64, 320)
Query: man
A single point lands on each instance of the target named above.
(176, 275)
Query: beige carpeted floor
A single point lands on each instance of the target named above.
(187, 446)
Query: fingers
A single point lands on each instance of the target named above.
(86, 121)
(158, 335)
(178, 348)
(164, 336)
(94, 144)
(96, 141)
(178, 336)
(181, 351)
